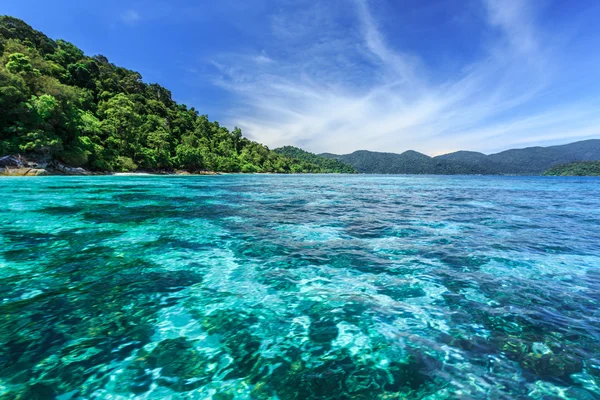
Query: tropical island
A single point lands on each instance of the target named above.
(62, 110)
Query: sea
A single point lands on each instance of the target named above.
(299, 287)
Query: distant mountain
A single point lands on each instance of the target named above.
(409, 162)
(536, 160)
(463, 156)
(528, 161)
(582, 168)
(325, 165)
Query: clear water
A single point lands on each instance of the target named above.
(299, 287)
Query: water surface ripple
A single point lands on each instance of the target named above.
(299, 287)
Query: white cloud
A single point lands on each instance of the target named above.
(348, 89)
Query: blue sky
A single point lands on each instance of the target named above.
(341, 75)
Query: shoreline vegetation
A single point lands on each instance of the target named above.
(17, 165)
(44, 172)
(585, 168)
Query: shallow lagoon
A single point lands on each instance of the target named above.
(300, 287)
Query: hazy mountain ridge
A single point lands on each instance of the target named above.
(526, 161)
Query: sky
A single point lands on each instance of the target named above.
(337, 76)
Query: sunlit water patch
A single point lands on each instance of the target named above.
(299, 287)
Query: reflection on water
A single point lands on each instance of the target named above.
(299, 287)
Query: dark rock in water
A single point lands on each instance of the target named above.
(226, 322)
(593, 367)
(326, 379)
(366, 380)
(323, 331)
(409, 375)
(223, 396)
(244, 349)
(37, 391)
(182, 367)
(402, 292)
(581, 394)
(553, 365)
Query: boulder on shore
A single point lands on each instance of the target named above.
(23, 172)
(61, 168)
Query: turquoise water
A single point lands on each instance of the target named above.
(299, 287)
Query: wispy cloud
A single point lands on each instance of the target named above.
(340, 90)
(398, 66)
(130, 17)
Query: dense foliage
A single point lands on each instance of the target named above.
(589, 168)
(57, 103)
(528, 161)
(409, 162)
(326, 164)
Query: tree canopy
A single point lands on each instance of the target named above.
(328, 164)
(584, 168)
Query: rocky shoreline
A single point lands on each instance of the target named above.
(17, 165)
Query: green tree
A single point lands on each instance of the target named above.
(119, 119)
(19, 63)
(40, 137)
(66, 53)
(190, 157)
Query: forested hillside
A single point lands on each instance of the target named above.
(327, 164)
(585, 168)
(57, 103)
(409, 162)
